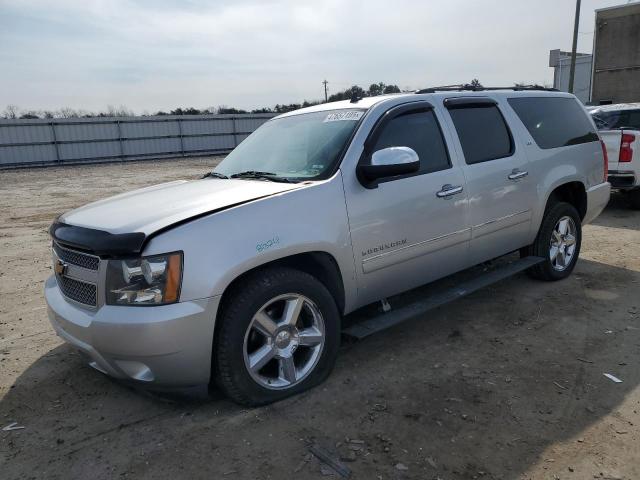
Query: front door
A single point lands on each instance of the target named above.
(410, 229)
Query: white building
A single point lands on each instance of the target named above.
(561, 63)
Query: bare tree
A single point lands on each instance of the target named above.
(67, 112)
(121, 111)
(11, 112)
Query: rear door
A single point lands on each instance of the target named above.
(501, 191)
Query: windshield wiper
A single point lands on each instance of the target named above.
(265, 175)
(214, 175)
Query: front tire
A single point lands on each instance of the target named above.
(558, 242)
(278, 335)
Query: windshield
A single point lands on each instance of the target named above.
(304, 147)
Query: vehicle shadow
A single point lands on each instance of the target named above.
(482, 388)
(617, 213)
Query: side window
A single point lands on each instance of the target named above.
(634, 119)
(554, 121)
(483, 133)
(421, 132)
(609, 120)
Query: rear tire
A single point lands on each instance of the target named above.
(558, 242)
(633, 197)
(278, 335)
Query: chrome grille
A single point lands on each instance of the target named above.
(77, 274)
(79, 291)
(73, 257)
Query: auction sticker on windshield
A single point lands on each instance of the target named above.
(341, 116)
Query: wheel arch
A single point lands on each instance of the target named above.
(573, 192)
(319, 264)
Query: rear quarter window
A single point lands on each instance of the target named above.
(554, 121)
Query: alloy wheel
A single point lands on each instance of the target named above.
(284, 341)
(562, 246)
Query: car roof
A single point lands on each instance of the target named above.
(364, 103)
(368, 102)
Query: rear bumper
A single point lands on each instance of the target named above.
(165, 346)
(622, 179)
(597, 199)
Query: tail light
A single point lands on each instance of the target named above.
(626, 152)
(606, 160)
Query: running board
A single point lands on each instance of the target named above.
(386, 320)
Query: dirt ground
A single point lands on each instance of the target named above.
(504, 384)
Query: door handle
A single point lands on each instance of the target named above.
(517, 174)
(448, 190)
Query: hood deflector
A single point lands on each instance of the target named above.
(97, 242)
(106, 244)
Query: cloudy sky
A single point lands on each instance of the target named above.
(161, 54)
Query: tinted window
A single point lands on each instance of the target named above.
(421, 132)
(616, 119)
(608, 120)
(554, 122)
(634, 119)
(483, 133)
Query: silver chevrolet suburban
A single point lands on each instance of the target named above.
(241, 279)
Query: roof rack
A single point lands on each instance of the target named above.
(467, 87)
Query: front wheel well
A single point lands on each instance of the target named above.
(573, 193)
(320, 265)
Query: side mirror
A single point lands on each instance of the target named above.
(388, 162)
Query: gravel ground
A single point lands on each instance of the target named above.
(504, 384)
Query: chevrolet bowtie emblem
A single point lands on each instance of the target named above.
(59, 267)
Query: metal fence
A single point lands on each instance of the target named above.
(84, 140)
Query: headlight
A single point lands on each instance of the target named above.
(144, 281)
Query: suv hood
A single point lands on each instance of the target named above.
(150, 209)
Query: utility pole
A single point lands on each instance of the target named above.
(572, 70)
(326, 98)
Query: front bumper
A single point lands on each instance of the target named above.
(164, 346)
(597, 199)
